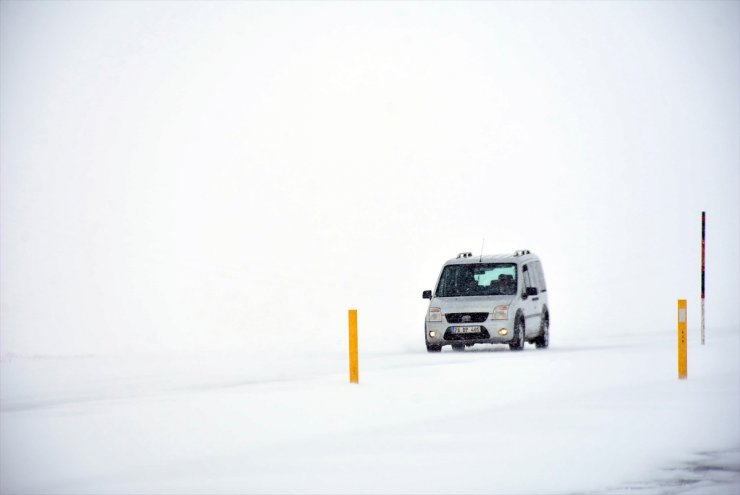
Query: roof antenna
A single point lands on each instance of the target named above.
(481, 250)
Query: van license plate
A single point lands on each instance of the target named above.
(465, 329)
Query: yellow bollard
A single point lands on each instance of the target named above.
(354, 367)
(682, 359)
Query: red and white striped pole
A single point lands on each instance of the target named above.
(703, 264)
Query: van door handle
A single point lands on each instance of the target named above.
(535, 298)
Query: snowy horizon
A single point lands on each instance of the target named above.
(174, 176)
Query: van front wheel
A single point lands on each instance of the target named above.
(518, 343)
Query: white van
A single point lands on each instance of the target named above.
(491, 299)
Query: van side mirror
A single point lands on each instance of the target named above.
(427, 294)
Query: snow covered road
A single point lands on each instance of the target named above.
(585, 416)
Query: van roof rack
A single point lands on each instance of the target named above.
(522, 252)
(465, 255)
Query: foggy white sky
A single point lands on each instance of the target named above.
(186, 175)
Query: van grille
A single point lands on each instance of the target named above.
(466, 317)
(467, 336)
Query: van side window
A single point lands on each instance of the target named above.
(530, 280)
(540, 277)
(526, 276)
(535, 275)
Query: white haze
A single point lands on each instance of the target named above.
(219, 175)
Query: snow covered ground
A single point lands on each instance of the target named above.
(596, 416)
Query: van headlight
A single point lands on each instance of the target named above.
(501, 313)
(435, 314)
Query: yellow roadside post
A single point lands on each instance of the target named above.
(354, 368)
(682, 360)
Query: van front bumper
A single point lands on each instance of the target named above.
(440, 333)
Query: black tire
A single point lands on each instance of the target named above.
(543, 339)
(518, 343)
(458, 347)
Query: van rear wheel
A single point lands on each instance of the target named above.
(543, 339)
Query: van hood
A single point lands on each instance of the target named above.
(470, 304)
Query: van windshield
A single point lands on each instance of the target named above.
(482, 279)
